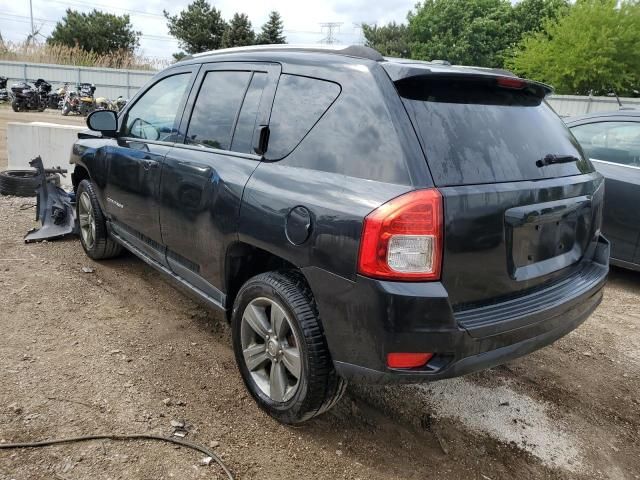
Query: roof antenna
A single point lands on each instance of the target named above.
(614, 94)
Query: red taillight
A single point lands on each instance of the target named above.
(509, 82)
(408, 360)
(402, 239)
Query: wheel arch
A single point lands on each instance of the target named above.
(80, 172)
(244, 261)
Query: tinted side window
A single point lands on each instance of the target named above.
(216, 109)
(617, 142)
(243, 135)
(298, 105)
(154, 113)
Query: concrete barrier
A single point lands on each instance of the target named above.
(51, 141)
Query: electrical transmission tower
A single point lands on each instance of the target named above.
(357, 27)
(331, 28)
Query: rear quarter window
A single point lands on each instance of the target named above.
(474, 132)
(298, 105)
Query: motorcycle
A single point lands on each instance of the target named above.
(71, 102)
(103, 103)
(4, 95)
(55, 99)
(44, 90)
(30, 97)
(120, 103)
(80, 101)
(87, 100)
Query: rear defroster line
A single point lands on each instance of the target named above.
(86, 438)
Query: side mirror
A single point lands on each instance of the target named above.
(103, 121)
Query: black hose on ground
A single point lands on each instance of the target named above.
(85, 438)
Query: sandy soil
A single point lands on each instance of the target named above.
(99, 352)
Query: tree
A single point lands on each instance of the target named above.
(96, 31)
(469, 32)
(198, 28)
(272, 31)
(531, 15)
(179, 56)
(239, 32)
(594, 48)
(391, 40)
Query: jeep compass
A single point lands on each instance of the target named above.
(357, 218)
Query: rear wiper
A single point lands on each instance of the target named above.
(550, 159)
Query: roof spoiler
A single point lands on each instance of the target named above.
(500, 78)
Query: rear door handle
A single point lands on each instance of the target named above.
(149, 164)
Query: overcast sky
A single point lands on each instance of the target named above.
(302, 18)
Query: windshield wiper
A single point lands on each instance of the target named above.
(550, 159)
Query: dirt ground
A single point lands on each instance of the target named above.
(119, 350)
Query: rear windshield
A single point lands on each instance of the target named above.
(476, 132)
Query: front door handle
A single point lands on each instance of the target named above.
(149, 164)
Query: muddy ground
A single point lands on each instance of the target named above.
(120, 350)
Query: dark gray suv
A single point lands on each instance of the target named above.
(358, 218)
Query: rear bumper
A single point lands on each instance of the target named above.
(366, 319)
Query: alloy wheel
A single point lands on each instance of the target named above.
(87, 220)
(271, 349)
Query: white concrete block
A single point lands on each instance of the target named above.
(53, 142)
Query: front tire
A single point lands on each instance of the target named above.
(94, 236)
(281, 350)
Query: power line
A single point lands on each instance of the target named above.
(110, 7)
(88, 5)
(157, 15)
(26, 19)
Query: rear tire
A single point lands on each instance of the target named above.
(94, 235)
(318, 387)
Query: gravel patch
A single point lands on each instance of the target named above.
(508, 416)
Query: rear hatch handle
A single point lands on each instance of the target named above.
(550, 159)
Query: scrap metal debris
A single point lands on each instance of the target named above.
(54, 207)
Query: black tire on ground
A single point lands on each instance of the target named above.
(15, 105)
(23, 183)
(103, 245)
(319, 387)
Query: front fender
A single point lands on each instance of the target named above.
(92, 156)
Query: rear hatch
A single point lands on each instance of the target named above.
(521, 202)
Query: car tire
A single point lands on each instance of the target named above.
(23, 183)
(318, 387)
(94, 236)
